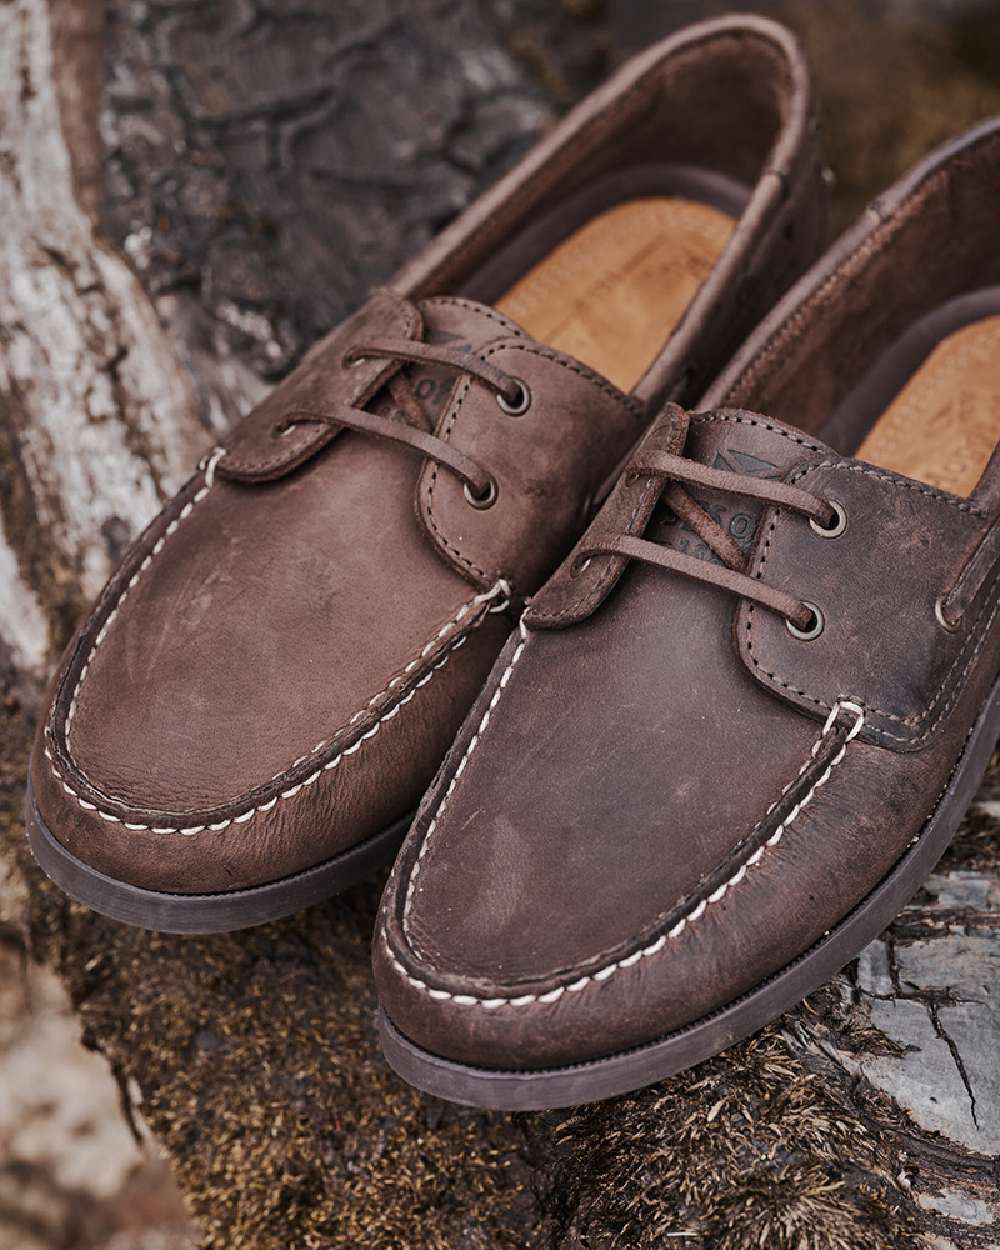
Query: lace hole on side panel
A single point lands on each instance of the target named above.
(941, 618)
(521, 402)
(836, 527)
(484, 501)
(814, 627)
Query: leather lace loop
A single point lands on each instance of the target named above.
(678, 472)
(410, 425)
(477, 479)
(414, 352)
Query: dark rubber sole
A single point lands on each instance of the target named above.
(205, 913)
(539, 1090)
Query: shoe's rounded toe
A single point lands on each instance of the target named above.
(616, 901)
(357, 788)
(227, 718)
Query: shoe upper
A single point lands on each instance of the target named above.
(277, 669)
(665, 795)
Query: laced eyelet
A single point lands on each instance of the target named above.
(837, 527)
(518, 406)
(813, 629)
(942, 620)
(484, 501)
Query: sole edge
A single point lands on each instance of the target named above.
(200, 914)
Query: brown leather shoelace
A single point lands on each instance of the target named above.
(676, 472)
(410, 425)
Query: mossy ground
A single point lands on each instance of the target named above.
(255, 1062)
(751, 1149)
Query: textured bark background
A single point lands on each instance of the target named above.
(189, 194)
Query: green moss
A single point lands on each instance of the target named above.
(750, 1149)
(260, 1073)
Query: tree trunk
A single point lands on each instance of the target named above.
(189, 195)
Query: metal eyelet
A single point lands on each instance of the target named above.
(813, 629)
(839, 522)
(482, 502)
(519, 406)
(942, 620)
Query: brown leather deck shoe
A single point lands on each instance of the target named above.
(738, 727)
(270, 681)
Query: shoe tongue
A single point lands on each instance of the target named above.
(738, 442)
(748, 443)
(453, 322)
(457, 323)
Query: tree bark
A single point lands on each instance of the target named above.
(189, 195)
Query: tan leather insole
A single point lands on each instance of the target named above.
(943, 425)
(612, 292)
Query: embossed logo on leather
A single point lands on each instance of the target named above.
(435, 335)
(738, 522)
(742, 462)
(433, 386)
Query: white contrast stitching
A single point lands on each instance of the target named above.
(184, 513)
(500, 591)
(501, 588)
(473, 742)
(605, 973)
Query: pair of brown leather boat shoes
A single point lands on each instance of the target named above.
(722, 679)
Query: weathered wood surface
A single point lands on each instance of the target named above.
(189, 194)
